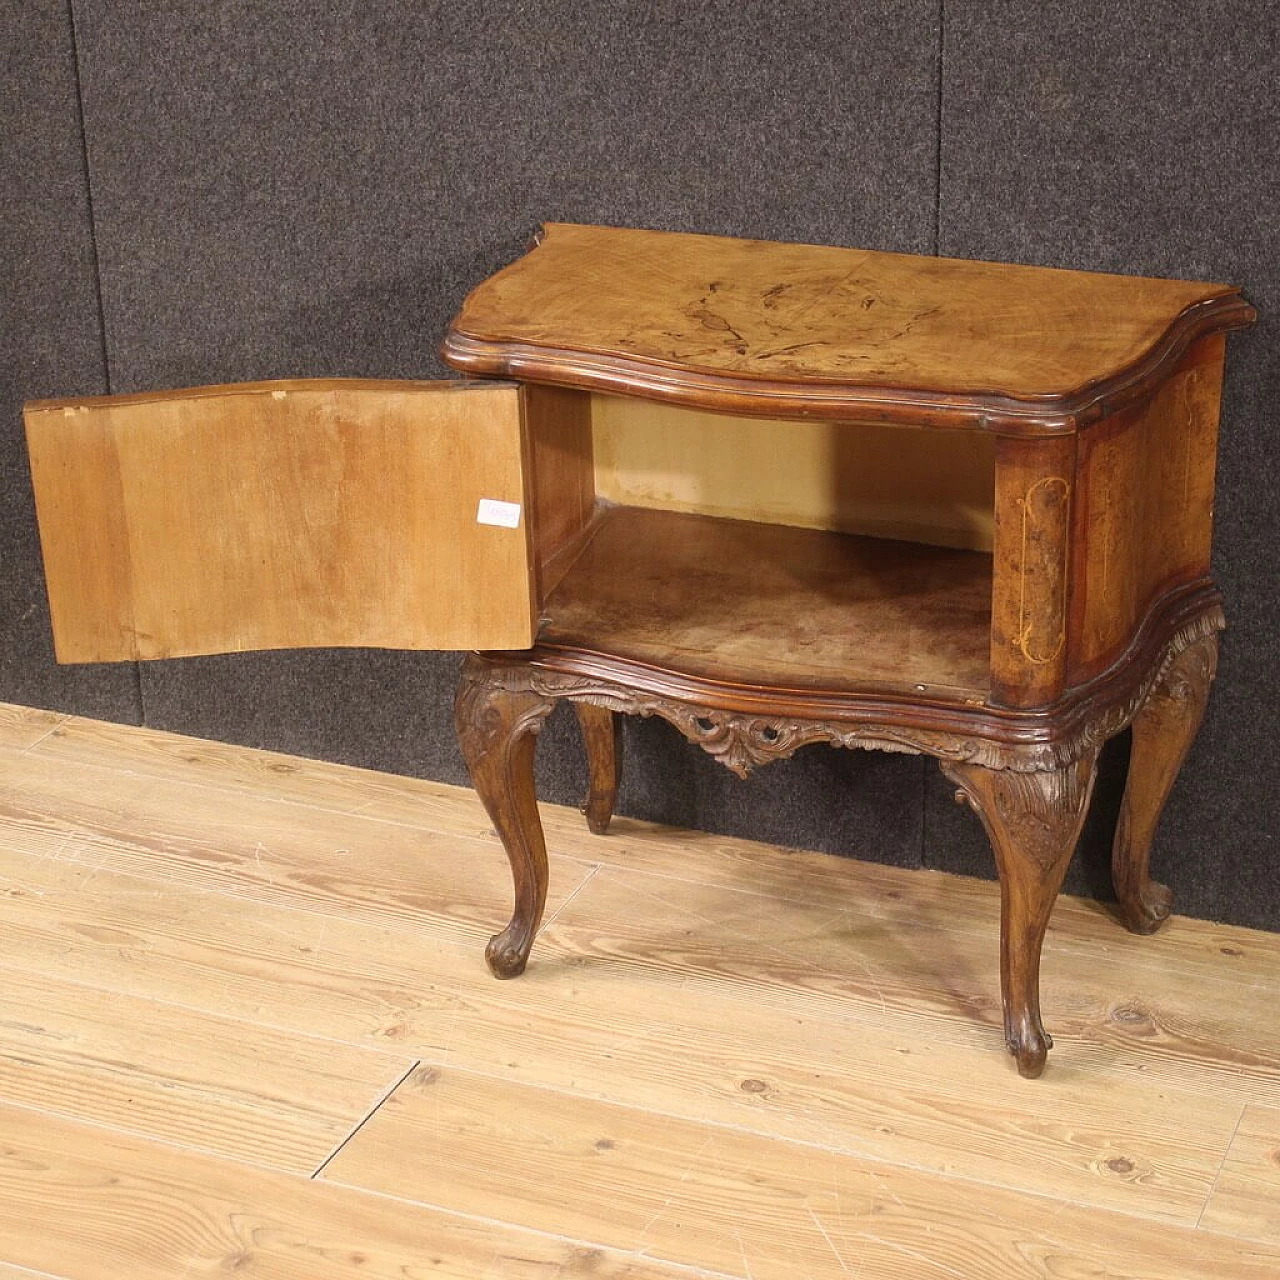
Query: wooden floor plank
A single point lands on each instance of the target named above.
(782, 950)
(912, 897)
(215, 1084)
(21, 728)
(751, 1030)
(90, 1204)
(681, 1190)
(692, 1049)
(1246, 1201)
(255, 846)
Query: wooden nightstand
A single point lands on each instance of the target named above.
(774, 494)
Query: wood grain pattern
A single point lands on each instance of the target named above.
(1140, 1142)
(1143, 514)
(161, 1070)
(725, 1016)
(280, 515)
(1031, 570)
(921, 897)
(260, 849)
(755, 604)
(90, 1204)
(560, 476)
(24, 727)
(889, 482)
(696, 1194)
(1114, 1013)
(749, 326)
(1246, 1200)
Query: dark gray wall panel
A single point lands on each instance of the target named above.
(300, 189)
(1143, 139)
(50, 340)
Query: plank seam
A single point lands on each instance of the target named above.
(1055, 942)
(368, 1115)
(1226, 1155)
(53, 728)
(591, 875)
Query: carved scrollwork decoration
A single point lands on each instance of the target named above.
(743, 741)
(482, 712)
(1189, 673)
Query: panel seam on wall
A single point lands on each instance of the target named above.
(88, 190)
(928, 857)
(103, 345)
(937, 163)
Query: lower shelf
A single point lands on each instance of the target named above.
(777, 607)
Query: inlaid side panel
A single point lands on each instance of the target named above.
(1031, 573)
(892, 482)
(283, 515)
(1144, 511)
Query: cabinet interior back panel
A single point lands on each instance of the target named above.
(896, 482)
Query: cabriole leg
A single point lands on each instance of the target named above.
(1034, 821)
(1163, 731)
(602, 737)
(497, 731)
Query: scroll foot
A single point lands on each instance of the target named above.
(497, 730)
(602, 737)
(1163, 731)
(1034, 821)
(508, 951)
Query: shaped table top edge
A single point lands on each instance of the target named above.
(571, 312)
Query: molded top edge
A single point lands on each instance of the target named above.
(760, 327)
(277, 387)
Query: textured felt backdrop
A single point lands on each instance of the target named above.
(50, 337)
(301, 189)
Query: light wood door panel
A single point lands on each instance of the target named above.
(283, 515)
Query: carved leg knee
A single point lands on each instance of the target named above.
(1163, 731)
(497, 730)
(602, 737)
(1034, 821)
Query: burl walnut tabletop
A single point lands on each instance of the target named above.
(1091, 609)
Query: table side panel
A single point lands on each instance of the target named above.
(1031, 569)
(1143, 516)
(560, 494)
(852, 477)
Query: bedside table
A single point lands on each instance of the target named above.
(773, 494)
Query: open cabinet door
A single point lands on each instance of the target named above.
(284, 515)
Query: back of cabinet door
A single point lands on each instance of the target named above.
(284, 515)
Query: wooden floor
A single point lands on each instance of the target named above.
(245, 1028)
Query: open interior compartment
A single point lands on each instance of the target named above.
(789, 553)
